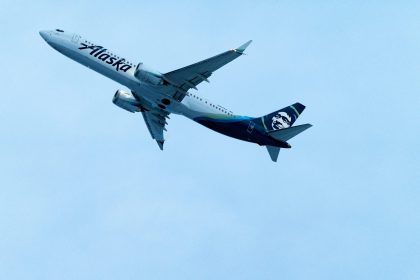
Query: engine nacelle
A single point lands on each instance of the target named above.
(147, 75)
(126, 100)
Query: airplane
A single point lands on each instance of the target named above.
(156, 95)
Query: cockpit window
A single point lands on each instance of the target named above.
(59, 30)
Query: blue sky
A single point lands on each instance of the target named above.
(85, 193)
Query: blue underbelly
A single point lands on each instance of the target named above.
(238, 128)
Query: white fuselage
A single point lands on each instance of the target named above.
(122, 71)
(156, 95)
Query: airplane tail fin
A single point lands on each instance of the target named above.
(283, 118)
(278, 125)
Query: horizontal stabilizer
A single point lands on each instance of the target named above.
(288, 133)
(274, 152)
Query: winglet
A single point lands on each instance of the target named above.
(242, 48)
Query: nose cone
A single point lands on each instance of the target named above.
(44, 35)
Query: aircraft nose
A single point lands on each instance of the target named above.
(44, 35)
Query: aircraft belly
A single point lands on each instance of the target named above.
(235, 128)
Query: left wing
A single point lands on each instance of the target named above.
(155, 120)
(190, 76)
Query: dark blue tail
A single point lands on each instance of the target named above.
(282, 118)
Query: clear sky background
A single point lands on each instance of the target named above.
(85, 193)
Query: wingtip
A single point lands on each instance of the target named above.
(160, 144)
(242, 48)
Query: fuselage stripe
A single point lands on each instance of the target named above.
(291, 106)
(262, 120)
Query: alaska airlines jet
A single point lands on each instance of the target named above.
(156, 95)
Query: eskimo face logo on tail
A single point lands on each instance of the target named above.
(101, 53)
(281, 120)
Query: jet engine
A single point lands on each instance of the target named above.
(147, 75)
(126, 100)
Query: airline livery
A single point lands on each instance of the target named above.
(156, 95)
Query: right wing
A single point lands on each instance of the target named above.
(190, 76)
